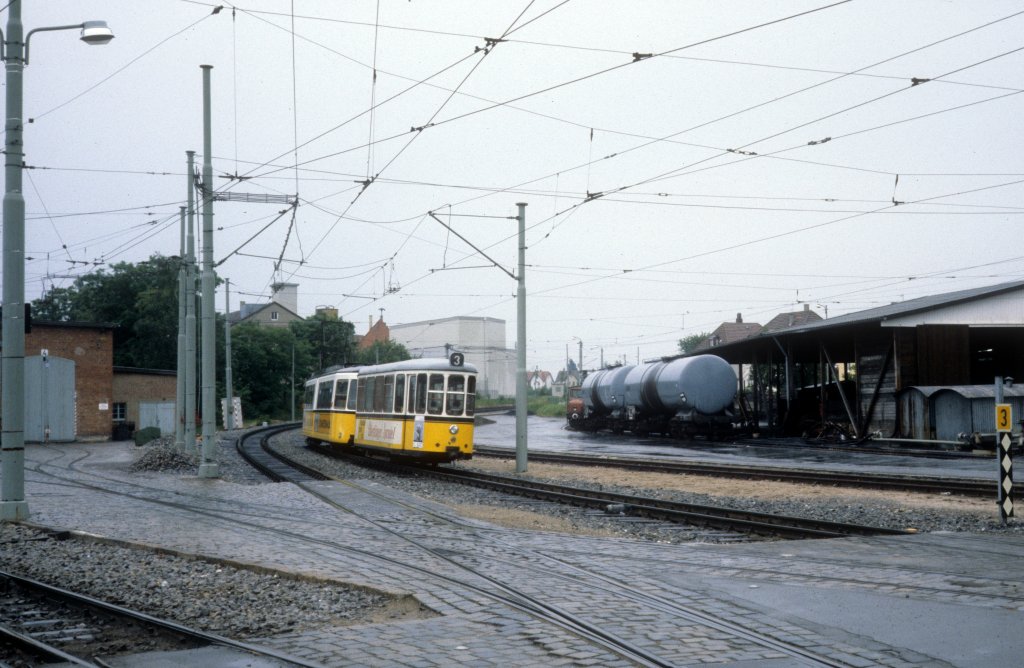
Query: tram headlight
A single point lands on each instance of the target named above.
(453, 429)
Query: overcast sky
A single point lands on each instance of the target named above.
(766, 156)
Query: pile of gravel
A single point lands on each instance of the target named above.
(161, 455)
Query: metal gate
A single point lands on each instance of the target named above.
(49, 399)
(157, 414)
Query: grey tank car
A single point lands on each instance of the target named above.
(683, 397)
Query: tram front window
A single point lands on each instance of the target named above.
(470, 395)
(456, 394)
(435, 394)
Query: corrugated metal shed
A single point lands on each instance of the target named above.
(943, 413)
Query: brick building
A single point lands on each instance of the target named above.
(378, 332)
(89, 348)
(74, 392)
(144, 398)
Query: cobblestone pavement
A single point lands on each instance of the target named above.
(924, 600)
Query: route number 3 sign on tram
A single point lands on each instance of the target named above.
(1004, 417)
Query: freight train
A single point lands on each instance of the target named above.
(418, 409)
(684, 397)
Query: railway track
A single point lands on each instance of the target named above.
(671, 511)
(41, 624)
(925, 484)
(715, 517)
(495, 585)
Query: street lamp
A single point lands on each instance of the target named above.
(14, 52)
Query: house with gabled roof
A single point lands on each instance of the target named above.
(728, 332)
(791, 319)
(281, 310)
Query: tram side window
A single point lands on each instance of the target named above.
(377, 394)
(365, 394)
(307, 398)
(456, 401)
(435, 394)
(400, 393)
(386, 403)
(353, 396)
(323, 395)
(412, 393)
(421, 394)
(340, 393)
(470, 395)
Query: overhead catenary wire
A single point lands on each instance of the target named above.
(883, 61)
(431, 122)
(93, 87)
(567, 186)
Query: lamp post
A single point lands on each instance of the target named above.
(14, 52)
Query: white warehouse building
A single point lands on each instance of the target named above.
(482, 340)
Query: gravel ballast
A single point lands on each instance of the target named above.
(891, 510)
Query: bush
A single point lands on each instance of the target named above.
(144, 436)
(546, 406)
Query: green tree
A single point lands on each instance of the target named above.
(688, 344)
(329, 341)
(382, 352)
(139, 300)
(261, 372)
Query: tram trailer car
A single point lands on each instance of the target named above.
(418, 409)
(683, 397)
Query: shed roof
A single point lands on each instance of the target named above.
(882, 313)
(968, 391)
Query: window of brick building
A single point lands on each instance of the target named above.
(120, 413)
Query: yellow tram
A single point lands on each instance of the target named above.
(421, 409)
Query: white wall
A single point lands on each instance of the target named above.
(481, 339)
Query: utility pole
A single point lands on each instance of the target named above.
(521, 440)
(190, 310)
(229, 405)
(179, 410)
(208, 466)
(521, 385)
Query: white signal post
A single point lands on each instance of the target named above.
(1004, 460)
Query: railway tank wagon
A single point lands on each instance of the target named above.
(604, 392)
(683, 397)
(418, 409)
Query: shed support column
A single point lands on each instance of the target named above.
(842, 394)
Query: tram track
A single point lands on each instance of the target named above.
(513, 596)
(42, 624)
(716, 517)
(908, 483)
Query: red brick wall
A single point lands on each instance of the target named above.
(379, 332)
(132, 387)
(92, 351)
